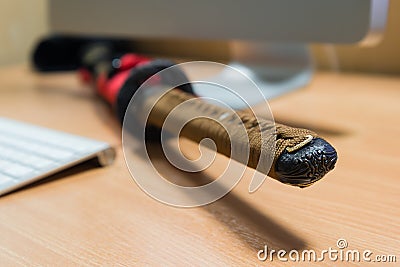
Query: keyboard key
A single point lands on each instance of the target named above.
(38, 162)
(17, 171)
(4, 164)
(6, 181)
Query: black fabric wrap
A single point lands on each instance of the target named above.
(140, 74)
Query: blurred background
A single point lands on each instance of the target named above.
(22, 23)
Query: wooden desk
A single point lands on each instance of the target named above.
(98, 216)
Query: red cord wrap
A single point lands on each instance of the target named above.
(109, 88)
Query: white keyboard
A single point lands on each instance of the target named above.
(29, 153)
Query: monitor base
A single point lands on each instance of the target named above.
(275, 68)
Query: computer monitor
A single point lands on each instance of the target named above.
(268, 37)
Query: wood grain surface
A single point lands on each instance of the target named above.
(99, 216)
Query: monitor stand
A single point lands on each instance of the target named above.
(275, 68)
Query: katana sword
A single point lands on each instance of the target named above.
(300, 156)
